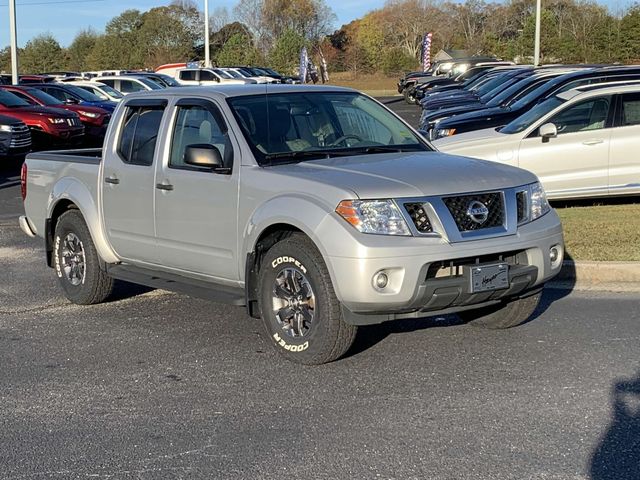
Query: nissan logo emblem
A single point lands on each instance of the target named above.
(477, 212)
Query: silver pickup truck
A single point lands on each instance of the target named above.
(316, 208)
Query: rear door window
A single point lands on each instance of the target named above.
(630, 114)
(139, 134)
(188, 75)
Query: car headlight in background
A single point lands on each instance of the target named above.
(89, 114)
(5, 128)
(538, 203)
(57, 120)
(445, 132)
(381, 217)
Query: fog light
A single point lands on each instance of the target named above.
(555, 255)
(380, 280)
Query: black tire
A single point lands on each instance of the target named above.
(503, 315)
(95, 285)
(410, 95)
(328, 337)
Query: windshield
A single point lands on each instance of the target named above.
(82, 94)
(311, 125)
(45, 98)
(490, 84)
(522, 84)
(166, 79)
(10, 100)
(111, 91)
(222, 74)
(537, 93)
(530, 117)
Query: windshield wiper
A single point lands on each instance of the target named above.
(296, 156)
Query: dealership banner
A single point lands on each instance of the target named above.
(426, 51)
(304, 62)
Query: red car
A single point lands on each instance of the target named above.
(94, 119)
(49, 126)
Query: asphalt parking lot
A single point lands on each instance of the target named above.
(155, 385)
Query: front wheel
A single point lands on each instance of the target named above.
(502, 315)
(77, 263)
(410, 95)
(299, 308)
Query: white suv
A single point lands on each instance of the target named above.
(208, 76)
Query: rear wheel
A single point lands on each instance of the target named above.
(299, 308)
(77, 263)
(502, 315)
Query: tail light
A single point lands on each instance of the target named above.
(23, 181)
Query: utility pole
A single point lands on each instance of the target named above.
(536, 49)
(207, 59)
(14, 42)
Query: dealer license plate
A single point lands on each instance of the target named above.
(489, 277)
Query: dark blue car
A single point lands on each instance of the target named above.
(75, 95)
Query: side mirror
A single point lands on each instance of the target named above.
(71, 101)
(548, 131)
(204, 156)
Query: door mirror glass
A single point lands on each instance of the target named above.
(547, 131)
(203, 155)
(71, 101)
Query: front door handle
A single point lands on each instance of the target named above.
(595, 141)
(112, 180)
(164, 186)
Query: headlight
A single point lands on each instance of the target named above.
(88, 114)
(5, 128)
(57, 120)
(445, 132)
(539, 204)
(380, 217)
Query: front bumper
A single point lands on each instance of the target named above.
(418, 282)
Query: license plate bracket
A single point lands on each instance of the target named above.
(484, 278)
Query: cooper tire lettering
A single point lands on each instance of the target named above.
(286, 259)
(290, 347)
(56, 257)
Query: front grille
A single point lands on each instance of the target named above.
(521, 201)
(20, 136)
(459, 207)
(419, 217)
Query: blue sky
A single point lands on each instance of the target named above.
(64, 18)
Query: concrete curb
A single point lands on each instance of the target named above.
(610, 276)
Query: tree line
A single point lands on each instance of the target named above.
(272, 32)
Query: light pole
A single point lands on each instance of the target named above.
(536, 49)
(207, 59)
(14, 42)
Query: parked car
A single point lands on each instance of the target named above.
(15, 139)
(73, 95)
(525, 82)
(315, 234)
(102, 91)
(94, 119)
(208, 76)
(579, 142)
(161, 79)
(498, 116)
(49, 127)
(127, 84)
(245, 73)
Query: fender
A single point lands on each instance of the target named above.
(300, 211)
(68, 188)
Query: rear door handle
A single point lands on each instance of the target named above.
(112, 180)
(164, 186)
(595, 141)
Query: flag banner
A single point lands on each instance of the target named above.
(426, 52)
(304, 62)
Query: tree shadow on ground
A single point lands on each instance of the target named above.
(617, 457)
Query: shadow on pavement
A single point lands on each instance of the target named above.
(9, 170)
(370, 335)
(617, 457)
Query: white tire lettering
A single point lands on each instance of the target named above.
(285, 259)
(290, 348)
(56, 257)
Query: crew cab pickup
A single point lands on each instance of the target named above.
(316, 208)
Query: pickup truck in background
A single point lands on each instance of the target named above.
(316, 208)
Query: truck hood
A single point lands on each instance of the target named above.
(397, 175)
(38, 111)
